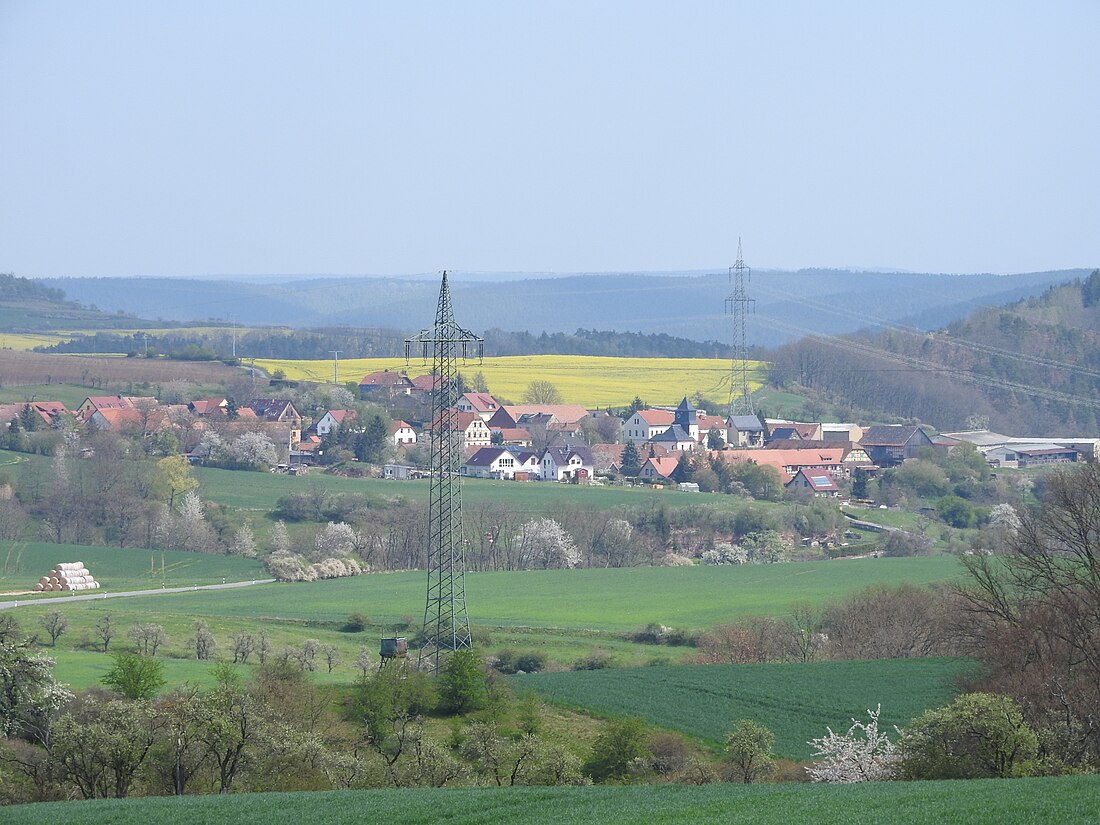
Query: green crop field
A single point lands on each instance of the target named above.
(563, 614)
(71, 395)
(796, 700)
(1063, 800)
(118, 568)
(613, 599)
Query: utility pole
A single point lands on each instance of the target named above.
(446, 624)
(336, 365)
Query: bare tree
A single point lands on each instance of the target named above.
(105, 630)
(243, 645)
(204, 641)
(55, 624)
(332, 656)
(149, 638)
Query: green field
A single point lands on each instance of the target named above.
(563, 614)
(796, 700)
(613, 599)
(1063, 800)
(118, 568)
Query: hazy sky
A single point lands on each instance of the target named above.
(176, 138)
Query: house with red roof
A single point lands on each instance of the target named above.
(819, 482)
(333, 420)
(402, 432)
(385, 384)
(474, 431)
(658, 467)
(645, 424)
(478, 402)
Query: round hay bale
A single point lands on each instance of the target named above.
(38, 587)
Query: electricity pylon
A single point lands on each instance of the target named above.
(738, 304)
(446, 624)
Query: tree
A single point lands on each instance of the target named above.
(978, 735)
(55, 624)
(244, 542)
(749, 750)
(541, 392)
(181, 715)
(462, 683)
(135, 677)
(715, 441)
(254, 449)
(1030, 612)
(619, 750)
(544, 544)
(173, 477)
(1090, 291)
(389, 705)
(371, 443)
(29, 695)
(104, 745)
(280, 538)
(204, 641)
(635, 405)
(105, 630)
(860, 477)
(336, 539)
(631, 461)
(149, 638)
(863, 754)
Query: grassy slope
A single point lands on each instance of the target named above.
(116, 568)
(1064, 800)
(71, 395)
(797, 701)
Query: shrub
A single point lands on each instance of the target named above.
(520, 661)
(356, 623)
(462, 683)
(596, 660)
(620, 750)
(749, 751)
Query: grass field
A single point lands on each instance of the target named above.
(30, 340)
(71, 395)
(593, 599)
(594, 381)
(1062, 800)
(260, 491)
(563, 614)
(796, 701)
(116, 568)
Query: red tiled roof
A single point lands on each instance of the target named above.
(657, 418)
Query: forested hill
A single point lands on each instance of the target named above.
(30, 306)
(218, 343)
(1028, 368)
(686, 305)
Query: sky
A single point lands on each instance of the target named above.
(197, 138)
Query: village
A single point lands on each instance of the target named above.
(545, 442)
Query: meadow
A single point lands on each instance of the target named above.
(118, 568)
(595, 381)
(563, 614)
(1065, 800)
(795, 700)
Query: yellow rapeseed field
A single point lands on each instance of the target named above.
(28, 341)
(594, 381)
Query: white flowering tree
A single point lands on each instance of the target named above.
(544, 543)
(863, 754)
(337, 539)
(280, 538)
(725, 553)
(255, 450)
(244, 542)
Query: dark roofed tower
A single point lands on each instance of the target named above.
(685, 415)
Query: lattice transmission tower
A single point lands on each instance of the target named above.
(446, 624)
(738, 304)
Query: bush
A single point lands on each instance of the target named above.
(596, 660)
(520, 661)
(620, 750)
(462, 683)
(749, 751)
(356, 623)
(979, 735)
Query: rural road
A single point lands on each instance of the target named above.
(99, 596)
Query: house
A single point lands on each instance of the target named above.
(46, 413)
(707, 423)
(478, 402)
(118, 420)
(474, 432)
(425, 384)
(501, 462)
(805, 431)
(607, 458)
(276, 411)
(509, 415)
(306, 450)
(675, 439)
(645, 424)
(209, 406)
(789, 462)
(569, 463)
(333, 420)
(744, 431)
(113, 402)
(657, 467)
(818, 482)
(402, 432)
(784, 433)
(1030, 455)
(512, 436)
(841, 432)
(890, 444)
(384, 384)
